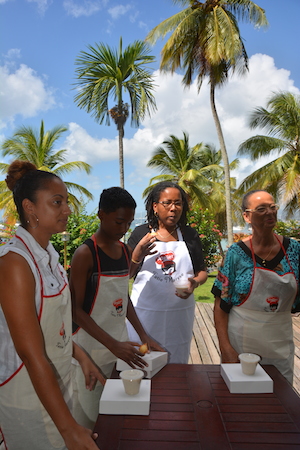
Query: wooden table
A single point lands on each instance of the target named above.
(192, 408)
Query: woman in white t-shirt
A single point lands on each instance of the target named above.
(36, 346)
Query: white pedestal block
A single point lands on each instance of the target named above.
(156, 361)
(114, 400)
(239, 383)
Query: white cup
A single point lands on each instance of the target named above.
(131, 380)
(249, 362)
(181, 285)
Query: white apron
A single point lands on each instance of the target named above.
(109, 310)
(262, 324)
(24, 421)
(166, 318)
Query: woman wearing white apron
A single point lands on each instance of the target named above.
(99, 284)
(256, 290)
(35, 323)
(170, 253)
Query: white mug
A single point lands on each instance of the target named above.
(131, 380)
(249, 362)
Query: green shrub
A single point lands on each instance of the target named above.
(210, 235)
(290, 228)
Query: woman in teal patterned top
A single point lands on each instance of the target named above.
(256, 289)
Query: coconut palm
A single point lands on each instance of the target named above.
(281, 177)
(196, 169)
(104, 73)
(211, 163)
(37, 147)
(206, 41)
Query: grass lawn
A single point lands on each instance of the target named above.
(202, 293)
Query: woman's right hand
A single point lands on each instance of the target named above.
(81, 438)
(129, 352)
(229, 356)
(144, 247)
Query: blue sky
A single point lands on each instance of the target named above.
(40, 40)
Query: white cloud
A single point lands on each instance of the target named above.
(118, 11)
(93, 184)
(81, 146)
(23, 92)
(77, 9)
(13, 53)
(134, 16)
(41, 4)
(185, 110)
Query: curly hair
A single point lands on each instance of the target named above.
(24, 180)
(154, 196)
(114, 198)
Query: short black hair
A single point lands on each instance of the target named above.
(114, 198)
(245, 201)
(153, 197)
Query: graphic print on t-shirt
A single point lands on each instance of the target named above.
(165, 262)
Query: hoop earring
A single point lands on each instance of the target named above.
(156, 215)
(36, 219)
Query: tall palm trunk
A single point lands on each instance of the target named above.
(225, 163)
(121, 156)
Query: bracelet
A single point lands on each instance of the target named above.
(135, 262)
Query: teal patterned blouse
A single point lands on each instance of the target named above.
(234, 278)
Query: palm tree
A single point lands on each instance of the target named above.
(196, 169)
(37, 147)
(103, 73)
(211, 162)
(206, 41)
(281, 177)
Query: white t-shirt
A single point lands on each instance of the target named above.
(53, 278)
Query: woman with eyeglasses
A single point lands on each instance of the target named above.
(257, 288)
(166, 250)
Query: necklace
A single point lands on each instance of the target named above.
(263, 260)
(164, 237)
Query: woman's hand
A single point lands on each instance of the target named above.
(129, 352)
(91, 372)
(80, 438)
(152, 344)
(192, 286)
(229, 356)
(144, 247)
(199, 279)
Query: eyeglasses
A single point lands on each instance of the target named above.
(168, 203)
(264, 209)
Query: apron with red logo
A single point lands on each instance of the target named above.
(109, 310)
(262, 324)
(167, 318)
(24, 421)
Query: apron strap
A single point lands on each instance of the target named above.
(40, 276)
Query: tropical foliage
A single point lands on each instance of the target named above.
(104, 73)
(203, 221)
(205, 41)
(291, 228)
(281, 177)
(80, 227)
(38, 147)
